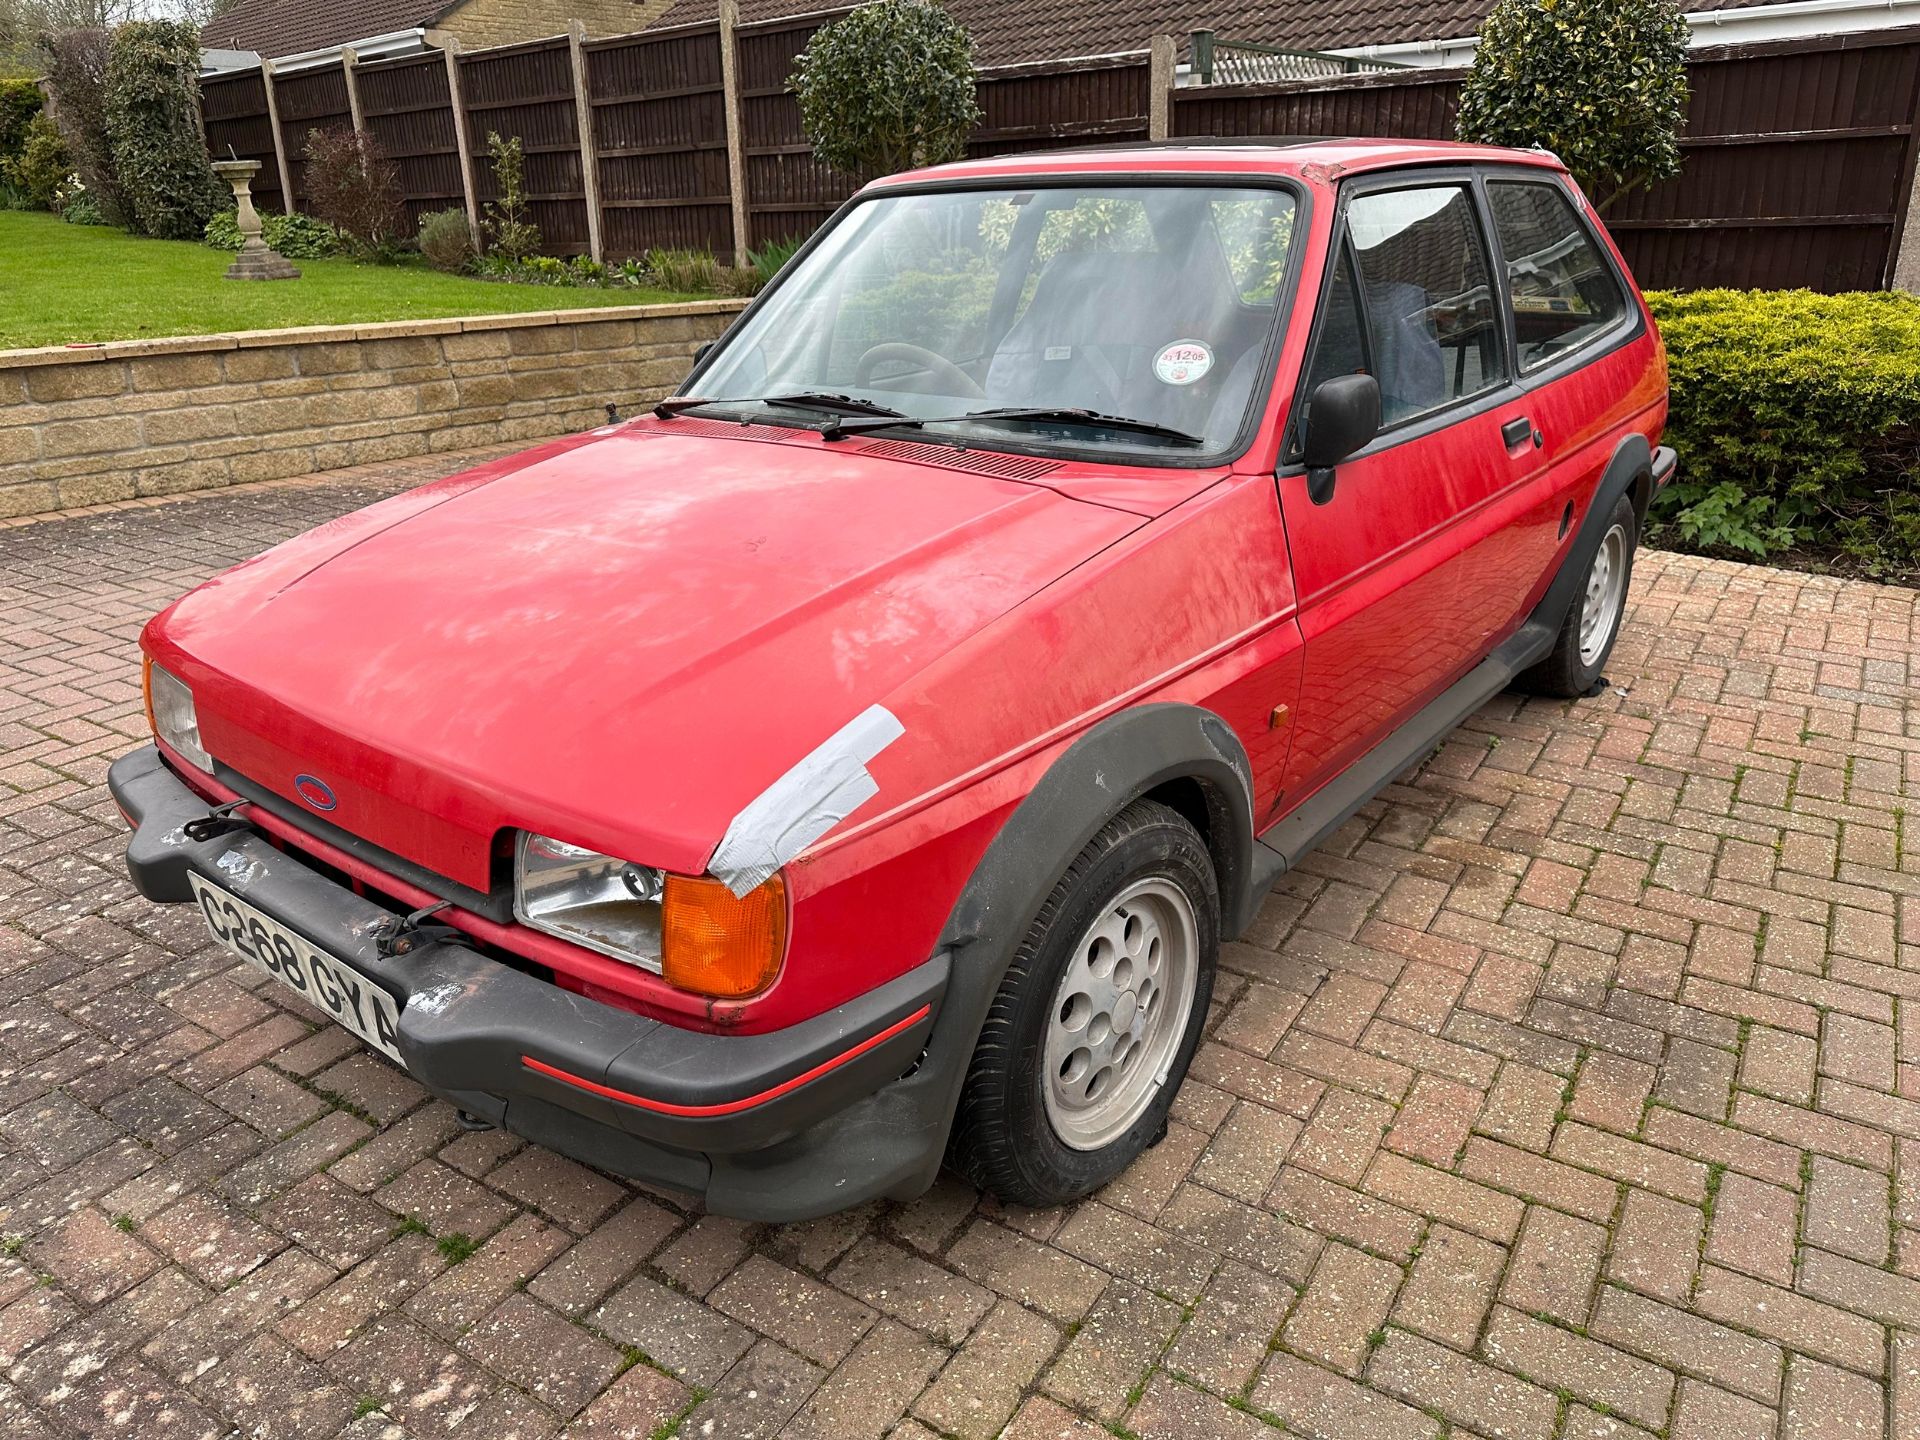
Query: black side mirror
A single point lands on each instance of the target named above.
(702, 353)
(1343, 416)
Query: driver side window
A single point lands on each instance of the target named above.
(1432, 330)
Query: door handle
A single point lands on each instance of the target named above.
(1518, 432)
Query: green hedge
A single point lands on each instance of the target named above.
(1797, 421)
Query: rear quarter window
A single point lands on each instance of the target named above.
(1562, 290)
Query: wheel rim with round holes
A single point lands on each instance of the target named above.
(1606, 592)
(1120, 1012)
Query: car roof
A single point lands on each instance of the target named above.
(1313, 159)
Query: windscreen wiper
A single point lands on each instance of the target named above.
(822, 401)
(839, 429)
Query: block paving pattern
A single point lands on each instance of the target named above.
(1572, 1091)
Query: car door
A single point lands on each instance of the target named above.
(1380, 566)
(1567, 314)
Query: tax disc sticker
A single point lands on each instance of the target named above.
(1183, 363)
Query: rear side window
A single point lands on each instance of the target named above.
(1424, 280)
(1563, 291)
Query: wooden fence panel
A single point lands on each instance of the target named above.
(1050, 105)
(660, 128)
(527, 90)
(1419, 105)
(1799, 163)
(405, 105)
(1800, 156)
(309, 100)
(789, 191)
(234, 110)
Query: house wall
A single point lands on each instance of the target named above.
(153, 417)
(506, 22)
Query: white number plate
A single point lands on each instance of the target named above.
(332, 986)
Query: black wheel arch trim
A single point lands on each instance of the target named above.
(1631, 473)
(1117, 761)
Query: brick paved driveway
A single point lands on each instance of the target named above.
(1573, 1091)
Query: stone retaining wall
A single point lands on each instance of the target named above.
(90, 424)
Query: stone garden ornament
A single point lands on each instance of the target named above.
(257, 260)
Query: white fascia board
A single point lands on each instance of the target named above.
(1789, 20)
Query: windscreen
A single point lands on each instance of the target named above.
(1151, 303)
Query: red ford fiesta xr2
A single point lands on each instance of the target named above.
(860, 759)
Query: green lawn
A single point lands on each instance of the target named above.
(63, 284)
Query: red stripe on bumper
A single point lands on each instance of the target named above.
(729, 1107)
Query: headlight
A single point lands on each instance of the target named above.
(693, 932)
(170, 710)
(589, 898)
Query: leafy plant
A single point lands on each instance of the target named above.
(888, 87)
(153, 129)
(447, 240)
(298, 237)
(697, 271)
(76, 66)
(20, 107)
(354, 188)
(302, 237)
(1601, 83)
(692, 270)
(37, 170)
(20, 101)
(1781, 448)
(770, 259)
(77, 204)
(510, 231)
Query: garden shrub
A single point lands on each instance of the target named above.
(691, 270)
(20, 101)
(297, 237)
(698, 272)
(20, 107)
(1601, 83)
(354, 188)
(1797, 421)
(447, 241)
(153, 128)
(76, 65)
(302, 237)
(35, 173)
(510, 232)
(888, 87)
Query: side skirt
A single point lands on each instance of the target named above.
(1282, 847)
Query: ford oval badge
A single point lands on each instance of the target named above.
(315, 791)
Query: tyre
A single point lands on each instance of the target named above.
(1585, 641)
(1092, 1030)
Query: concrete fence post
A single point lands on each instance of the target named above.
(457, 101)
(736, 133)
(350, 62)
(1160, 62)
(279, 141)
(589, 149)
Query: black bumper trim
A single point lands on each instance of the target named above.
(467, 1020)
(1666, 462)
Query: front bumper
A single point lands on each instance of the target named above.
(778, 1126)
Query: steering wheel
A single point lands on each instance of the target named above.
(944, 369)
